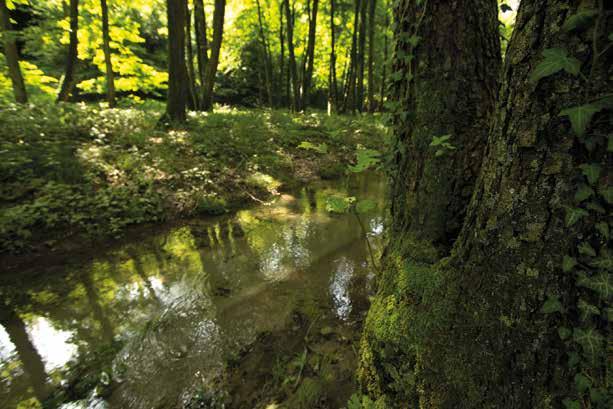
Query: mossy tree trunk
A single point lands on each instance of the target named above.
(293, 70)
(446, 66)
(201, 42)
(518, 315)
(309, 59)
(12, 55)
(72, 57)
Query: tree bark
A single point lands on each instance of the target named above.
(211, 68)
(283, 80)
(350, 83)
(310, 55)
(12, 56)
(177, 72)
(371, 55)
(477, 334)
(191, 72)
(267, 56)
(72, 57)
(332, 81)
(106, 48)
(293, 71)
(447, 88)
(361, 56)
(201, 42)
(384, 65)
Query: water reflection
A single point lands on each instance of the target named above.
(181, 302)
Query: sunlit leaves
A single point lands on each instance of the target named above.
(580, 20)
(321, 148)
(339, 204)
(555, 60)
(442, 143)
(365, 159)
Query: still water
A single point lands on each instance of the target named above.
(196, 310)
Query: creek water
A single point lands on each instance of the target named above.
(252, 309)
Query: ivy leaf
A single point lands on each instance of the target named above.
(568, 263)
(602, 284)
(573, 359)
(596, 207)
(591, 172)
(505, 7)
(551, 305)
(582, 383)
(564, 333)
(590, 340)
(587, 310)
(439, 140)
(603, 229)
(610, 143)
(585, 249)
(580, 20)
(571, 404)
(365, 206)
(556, 59)
(607, 194)
(573, 215)
(584, 192)
(580, 117)
(414, 40)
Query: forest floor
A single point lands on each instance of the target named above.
(80, 171)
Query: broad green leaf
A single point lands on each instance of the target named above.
(552, 305)
(321, 148)
(602, 283)
(591, 172)
(414, 40)
(338, 204)
(365, 158)
(582, 383)
(586, 249)
(583, 192)
(603, 229)
(365, 206)
(568, 263)
(439, 140)
(571, 404)
(555, 60)
(580, 20)
(574, 214)
(580, 117)
(564, 333)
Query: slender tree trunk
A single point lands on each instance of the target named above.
(211, 68)
(177, 72)
(332, 82)
(283, 99)
(293, 72)
(191, 73)
(201, 44)
(106, 48)
(371, 55)
(11, 54)
(350, 83)
(267, 56)
(361, 56)
(310, 55)
(72, 57)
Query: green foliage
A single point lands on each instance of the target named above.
(321, 148)
(365, 159)
(442, 144)
(552, 305)
(580, 20)
(580, 117)
(555, 60)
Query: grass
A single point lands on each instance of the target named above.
(84, 170)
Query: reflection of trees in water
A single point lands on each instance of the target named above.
(95, 304)
(31, 361)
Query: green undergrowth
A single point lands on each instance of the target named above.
(84, 170)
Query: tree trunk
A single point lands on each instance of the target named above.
(71, 59)
(106, 48)
(267, 57)
(12, 56)
(448, 88)
(361, 57)
(371, 55)
(332, 82)
(191, 73)
(350, 83)
(211, 68)
(517, 316)
(177, 72)
(310, 55)
(384, 64)
(293, 72)
(201, 43)
(283, 99)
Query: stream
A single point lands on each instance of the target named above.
(258, 309)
